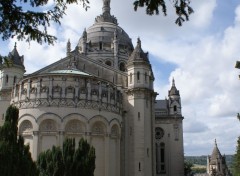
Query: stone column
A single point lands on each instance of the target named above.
(50, 87)
(107, 155)
(20, 91)
(38, 88)
(28, 88)
(89, 90)
(61, 138)
(63, 87)
(35, 145)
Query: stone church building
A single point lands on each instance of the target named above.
(101, 91)
(216, 163)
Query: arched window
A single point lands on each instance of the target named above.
(130, 78)
(108, 63)
(122, 66)
(138, 75)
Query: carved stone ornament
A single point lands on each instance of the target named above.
(48, 125)
(26, 126)
(159, 133)
(98, 129)
(74, 126)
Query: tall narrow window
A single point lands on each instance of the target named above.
(138, 116)
(130, 78)
(162, 153)
(6, 79)
(139, 166)
(14, 79)
(174, 108)
(122, 66)
(100, 45)
(138, 76)
(145, 77)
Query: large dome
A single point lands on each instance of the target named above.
(105, 41)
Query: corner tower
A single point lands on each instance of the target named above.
(11, 71)
(141, 97)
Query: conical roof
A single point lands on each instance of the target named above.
(15, 58)
(216, 153)
(173, 90)
(138, 54)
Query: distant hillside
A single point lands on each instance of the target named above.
(202, 160)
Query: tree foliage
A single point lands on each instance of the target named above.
(29, 25)
(24, 24)
(68, 161)
(182, 7)
(188, 168)
(236, 162)
(15, 158)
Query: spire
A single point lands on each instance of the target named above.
(138, 53)
(15, 57)
(106, 7)
(173, 90)
(68, 47)
(173, 82)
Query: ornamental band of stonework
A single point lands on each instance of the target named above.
(67, 91)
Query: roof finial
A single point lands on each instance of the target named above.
(138, 42)
(173, 82)
(15, 45)
(106, 6)
(216, 142)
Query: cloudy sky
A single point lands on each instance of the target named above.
(200, 55)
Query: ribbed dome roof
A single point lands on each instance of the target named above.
(105, 29)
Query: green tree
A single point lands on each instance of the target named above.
(15, 158)
(68, 161)
(187, 168)
(236, 162)
(25, 24)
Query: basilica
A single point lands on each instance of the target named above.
(102, 91)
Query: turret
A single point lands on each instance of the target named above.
(140, 73)
(12, 70)
(174, 100)
(141, 98)
(83, 42)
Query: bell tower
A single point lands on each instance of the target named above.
(141, 99)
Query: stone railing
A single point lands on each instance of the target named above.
(67, 91)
